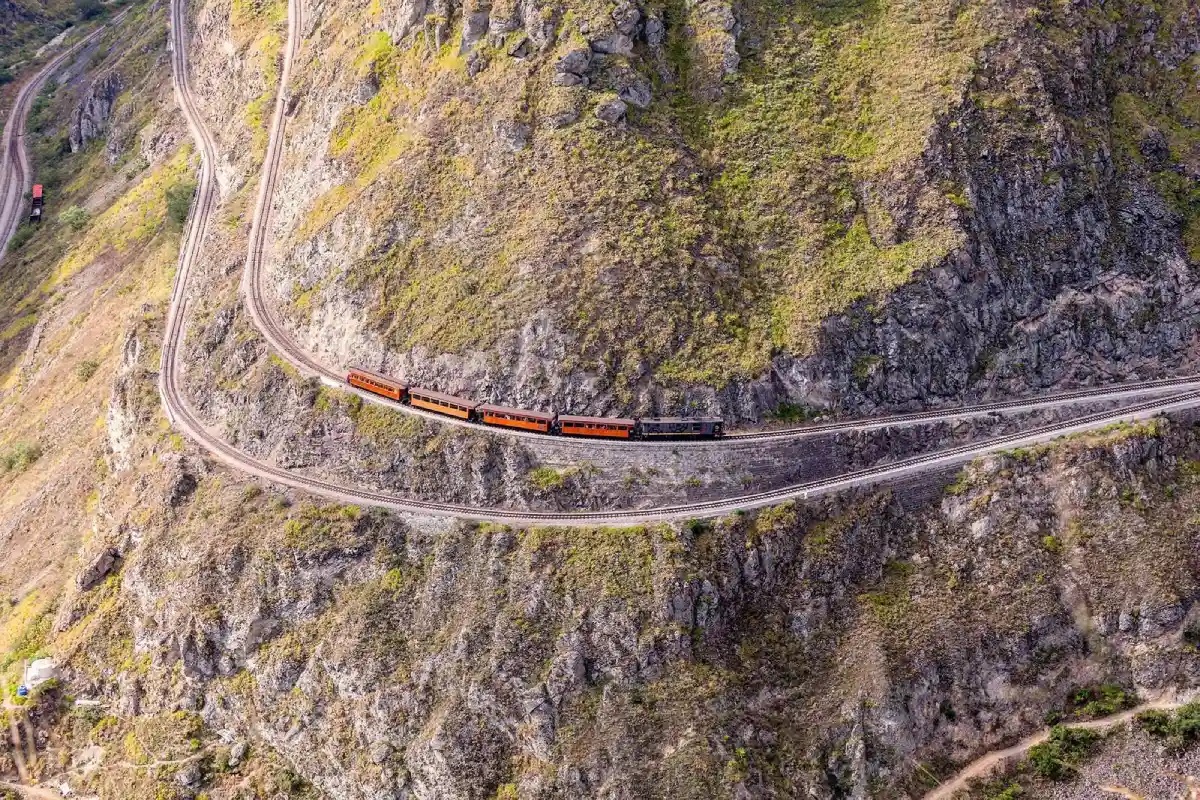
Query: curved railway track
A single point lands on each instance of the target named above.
(285, 346)
(183, 416)
(16, 171)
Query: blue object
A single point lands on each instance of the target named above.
(22, 691)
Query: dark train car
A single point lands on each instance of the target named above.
(610, 427)
(442, 403)
(35, 213)
(539, 421)
(693, 427)
(375, 383)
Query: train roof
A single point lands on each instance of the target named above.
(516, 412)
(377, 376)
(430, 394)
(571, 418)
(676, 420)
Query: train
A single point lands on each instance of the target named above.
(35, 213)
(545, 422)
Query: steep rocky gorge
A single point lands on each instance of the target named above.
(232, 640)
(850, 648)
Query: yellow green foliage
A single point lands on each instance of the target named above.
(320, 527)
(247, 17)
(710, 235)
(131, 221)
(599, 562)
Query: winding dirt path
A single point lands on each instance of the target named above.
(988, 762)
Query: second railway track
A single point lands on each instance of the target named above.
(183, 416)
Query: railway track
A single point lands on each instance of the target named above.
(281, 342)
(184, 417)
(16, 171)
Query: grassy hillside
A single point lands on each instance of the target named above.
(710, 232)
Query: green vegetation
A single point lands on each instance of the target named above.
(1169, 115)
(86, 369)
(19, 457)
(891, 601)
(23, 234)
(76, 218)
(1178, 729)
(385, 426)
(719, 234)
(1008, 791)
(322, 528)
(1061, 755)
(547, 479)
(179, 200)
(794, 414)
(597, 563)
(1101, 701)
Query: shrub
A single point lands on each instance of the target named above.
(546, 479)
(1101, 701)
(1060, 755)
(1010, 792)
(1179, 730)
(789, 412)
(19, 457)
(75, 217)
(179, 201)
(22, 235)
(90, 9)
(86, 369)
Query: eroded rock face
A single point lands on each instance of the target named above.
(90, 118)
(424, 659)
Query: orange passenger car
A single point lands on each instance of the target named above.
(375, 383)
(612, 427)
(538, 421)
(441, 403)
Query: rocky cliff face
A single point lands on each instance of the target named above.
(852, 648)
(643, 208)
(90, 119)
(870, 205)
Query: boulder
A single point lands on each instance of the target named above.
(575, 61)
(654, 32)
(626, 16)
(611, 111)
(513, 135)
(615, 43)
(568, 79)
(97, 570)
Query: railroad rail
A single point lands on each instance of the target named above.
(306, 363)
(16, 170)
(184, 417)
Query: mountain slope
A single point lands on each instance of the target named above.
(856, 203)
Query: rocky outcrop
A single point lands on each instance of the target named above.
(1073, 269)
(89, 121)
(805, 651)
(1050, 249)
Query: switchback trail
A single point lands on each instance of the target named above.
(988, 762)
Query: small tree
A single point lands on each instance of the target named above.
(179, 201)
(76, 217)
